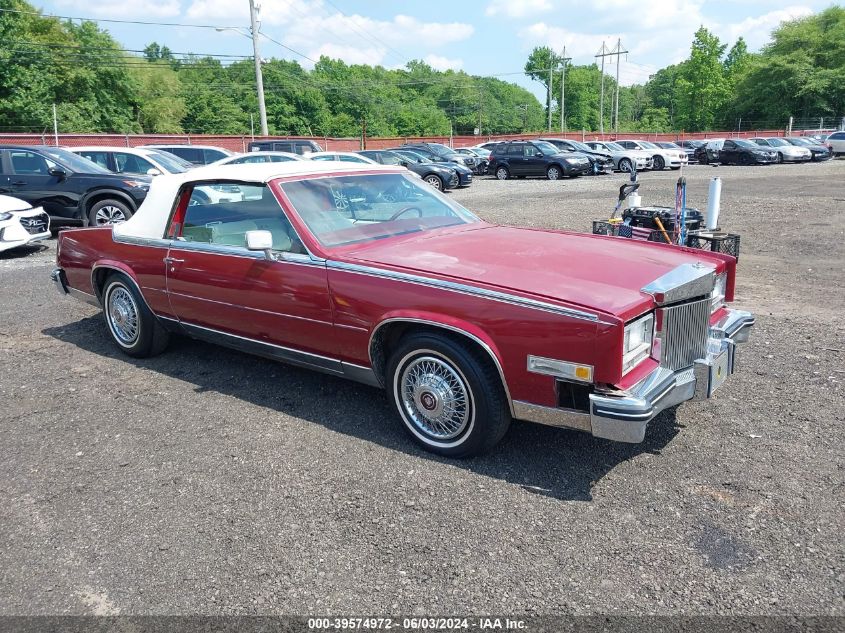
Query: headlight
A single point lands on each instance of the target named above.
(5, 216)
(717, 297)
(572, 161)
(636, 347)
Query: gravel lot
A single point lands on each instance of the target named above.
(207, 481)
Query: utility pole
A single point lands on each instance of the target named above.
(563, 91)
(259, 77)
(602, 53)
(55, 126)
(549, 91)
(618, 52)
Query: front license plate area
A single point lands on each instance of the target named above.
(719, 371)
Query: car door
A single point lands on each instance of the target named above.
(533, 161)
(31, 180)
(729, 152)
(220, 290)
(515, 155)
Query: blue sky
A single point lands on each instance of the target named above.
(484, 37)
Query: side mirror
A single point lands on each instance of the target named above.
(405, 163)
(539, 154)
(152, 171)
(58, 172)
(260, 241)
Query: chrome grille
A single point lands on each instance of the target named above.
(684, 334)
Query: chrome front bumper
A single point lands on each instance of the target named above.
(58, 278)
(623, 416)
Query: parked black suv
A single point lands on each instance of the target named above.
(438, 175)
(536, 158)
(291, 145)
(195, 154)
(69, 188)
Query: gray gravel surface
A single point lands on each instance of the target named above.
(207, 481)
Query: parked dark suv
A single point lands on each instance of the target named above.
(291, 145)
(195, 154)
(536, 158)
(439, 152)
(600, 162)
(438, 175)
(71, 189)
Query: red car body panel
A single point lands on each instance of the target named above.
(333, 308)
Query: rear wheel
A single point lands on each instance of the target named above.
(448, 396)
(744, 159)
(133, 327)
(554, 172)
(502, 173)
(659, 163)
(107, 212)
(626, 165)
(780, 157)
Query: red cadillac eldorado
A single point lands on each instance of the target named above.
(365, 272)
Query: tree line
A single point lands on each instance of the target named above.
(800, 73)
(98, 86)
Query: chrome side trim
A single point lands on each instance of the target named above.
(484, 293)
(140, 241)
(483, 345)
(263, 348)
(359, 373)
(551, 416)
(239, 251)
(683, 282)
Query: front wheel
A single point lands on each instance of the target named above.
(553, 172)
(659, 163)
(626, 165)
(133, 327)
(780, 158)
(502, 173)
(449, 397)
(435, 181)
(107, 212)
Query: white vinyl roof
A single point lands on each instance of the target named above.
(151, 218)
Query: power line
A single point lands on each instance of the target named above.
(114, 21)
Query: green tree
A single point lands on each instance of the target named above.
(701, 83)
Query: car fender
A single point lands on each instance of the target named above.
(105, 264)
(110, 191)
(445, 322)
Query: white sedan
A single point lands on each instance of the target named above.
(787, 152)
(21, 224)
(661, 158)
(259, 157)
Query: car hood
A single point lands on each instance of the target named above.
(583, 271)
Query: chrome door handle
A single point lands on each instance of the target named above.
(173, 260)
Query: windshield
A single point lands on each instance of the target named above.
(741, 142)
(546, 148)
(349, 209)
(442, 150)
(802, 141)
(648, 144)
(668, 145)
(413, 156)
(74, 162)
(169, 163)
(480, 151)
(614, 147)
(777, 142)
(579, 145)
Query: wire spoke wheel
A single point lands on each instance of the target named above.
(435, 397)
(123, 317)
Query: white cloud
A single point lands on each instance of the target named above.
(112, 9)
(351, 55)
(757, 31)
(518, 8)
(438, 62)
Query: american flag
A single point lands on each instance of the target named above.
(635, 232)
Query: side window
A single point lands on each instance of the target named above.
(760, 141)
(29, 163)
(350, 159)
(500, 149)
(529, 151)
(836, 136)
(131, 164)
(212, 155)
(2, 161)
(284, 147)
(729, 145)
(101, 158)
(515, 149)
(189, 154)
(222, 213)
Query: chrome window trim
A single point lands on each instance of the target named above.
(242, 251)
(452, 328)
(465, 289)
(141, 241)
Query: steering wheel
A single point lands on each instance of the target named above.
(404, 210)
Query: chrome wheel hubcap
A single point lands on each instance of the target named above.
(434, 181)
(502, 174)
(554, 174)
(435, 398)
(123, 315)
(109, 214)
